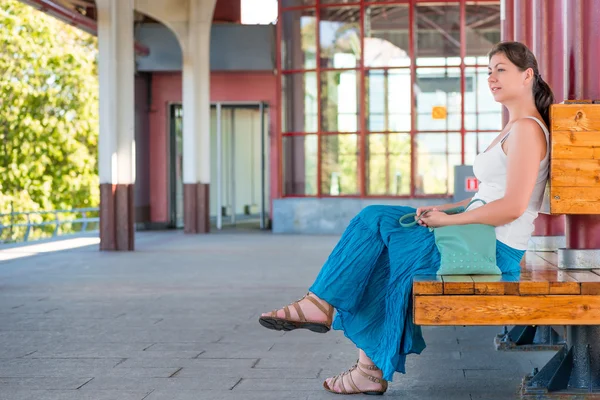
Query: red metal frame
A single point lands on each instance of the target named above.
(362, 73)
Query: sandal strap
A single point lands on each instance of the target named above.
(299, 311)
(351, 380)
(335, 379)
(327, 312)
(286, 310)
(371, 367)
(369, 377)
(344, 391)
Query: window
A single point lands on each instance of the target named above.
(381, 99)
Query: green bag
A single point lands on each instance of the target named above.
(464, 249)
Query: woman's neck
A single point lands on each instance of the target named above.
(519, 110)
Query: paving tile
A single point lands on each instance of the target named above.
(55, 383)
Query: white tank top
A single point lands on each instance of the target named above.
(490, 169)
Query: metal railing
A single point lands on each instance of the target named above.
(32, 225)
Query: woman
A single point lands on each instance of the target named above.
(368, 276)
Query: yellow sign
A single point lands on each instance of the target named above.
(438, 112)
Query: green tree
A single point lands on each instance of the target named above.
(48, 112)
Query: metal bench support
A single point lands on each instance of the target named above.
(573, 373)
(529, 338)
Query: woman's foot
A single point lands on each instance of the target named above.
(360, 379)
(310, 312)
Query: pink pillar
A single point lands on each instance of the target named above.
(582, 20)
(507, 22)
(547, 45)
(507, 33)
(523, 22)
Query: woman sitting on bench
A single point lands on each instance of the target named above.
(368, 277)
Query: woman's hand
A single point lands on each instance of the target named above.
(422, 210)
(435, 219)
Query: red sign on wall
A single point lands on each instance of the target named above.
(471, 184)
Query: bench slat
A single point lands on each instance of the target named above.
(458, 284)
(507, 310)
(590, 282)
(428, 284)
(496, 284)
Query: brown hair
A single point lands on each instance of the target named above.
(523, 58)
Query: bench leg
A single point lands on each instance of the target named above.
(528, 338)
(573, 372)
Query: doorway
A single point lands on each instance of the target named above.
(239, 165)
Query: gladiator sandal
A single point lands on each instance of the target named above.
(274, 322)
(354, 389)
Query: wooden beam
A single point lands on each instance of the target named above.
(507, 310)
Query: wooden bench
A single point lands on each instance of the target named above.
(553, 289)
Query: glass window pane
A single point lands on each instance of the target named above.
(483, 29)
(339, 36)
(300, 165)
(477, 142)
(437, 33)
(482, 112)
(438, 87)
(339, 101)
(435, 155)
(298, 39)
(388, 164)
(296, 3)
(299, 102)
(388, 100)
(453, 160)
(339, 169)
(387, 36)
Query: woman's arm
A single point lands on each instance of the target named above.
(526, 147)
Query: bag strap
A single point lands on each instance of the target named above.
(413, 215)
(409, 224)
(474, 201)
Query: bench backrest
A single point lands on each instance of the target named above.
(575, 159)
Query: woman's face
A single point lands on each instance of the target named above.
(506, 81)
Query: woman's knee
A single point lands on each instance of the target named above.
(372, 214)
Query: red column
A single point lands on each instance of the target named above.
(507, 21)
(507, 33)
(523, 22)
(574, 47)
(583, 53)
(548, 48)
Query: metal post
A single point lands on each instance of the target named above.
(56, 224)
(573, 372)
(586, 357)
(219, 170)
(262, 166)
(232, 168)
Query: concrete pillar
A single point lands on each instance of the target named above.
(196, 118)
(116, 158)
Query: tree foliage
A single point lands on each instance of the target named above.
(48, 112)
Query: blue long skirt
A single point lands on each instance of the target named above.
(368, 279)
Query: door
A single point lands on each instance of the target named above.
(239, 166)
